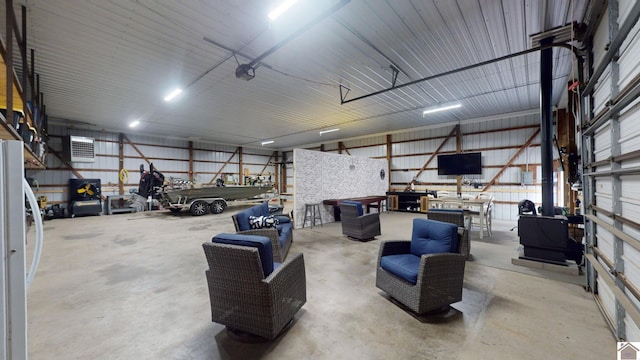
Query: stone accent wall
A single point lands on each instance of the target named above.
(318, 176)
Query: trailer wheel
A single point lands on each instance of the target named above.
(218, 206)
(199, 208)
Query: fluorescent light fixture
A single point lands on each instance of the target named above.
(172, 95)
(441, 108)
(134, 123)
(267, 142)
(275, 13)
(328, 131)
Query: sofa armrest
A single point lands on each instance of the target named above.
(290, 270)
(465, 243)
(444, 270)
(283, 218)
(288, 282)
(368, 219)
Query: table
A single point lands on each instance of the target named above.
(467, 205)
(370, 202)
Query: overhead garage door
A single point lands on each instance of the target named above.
(611, 160)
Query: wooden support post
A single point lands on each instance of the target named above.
(121, 168)
(284, 172)
(276, 175)
(342, 148)
(389, 157)
(567, 140)
(241, 166)
(458, 151)
(191, 173)
(9, 59)
(22, 44)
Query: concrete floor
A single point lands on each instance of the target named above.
(132, 286)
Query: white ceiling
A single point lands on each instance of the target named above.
(104, 63)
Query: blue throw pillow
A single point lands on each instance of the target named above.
(432, 237)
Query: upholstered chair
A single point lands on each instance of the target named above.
(426, 273)
(356, 224)
(248, 291)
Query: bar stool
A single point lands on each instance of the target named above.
(312, 212)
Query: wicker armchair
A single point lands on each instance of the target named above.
(425, 274)
(357, 225)
(455, 216)
(247, 292)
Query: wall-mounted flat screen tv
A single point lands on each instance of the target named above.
(460, 164)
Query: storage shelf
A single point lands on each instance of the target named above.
(31, 161)
(408, 201)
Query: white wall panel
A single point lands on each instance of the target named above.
(629, 55)
(602, 144)
(601, 39)
(630, 129)
(602, 91)
(631, 257)
(625, 189)
(606, 297)
(624, 7)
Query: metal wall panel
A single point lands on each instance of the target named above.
(632, 268)
(633, 332)
(601, 40)
(616, 233)
(602, 143)
(629, 55)
(607, 299)
(602, 91)
(624, 7)
(605, 242)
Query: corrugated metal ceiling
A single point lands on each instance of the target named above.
(106, 63)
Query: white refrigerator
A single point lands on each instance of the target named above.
(13, 273)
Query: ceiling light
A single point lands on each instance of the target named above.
(172, 95)
(280, 9)
(134, 123)
(328, 131)
(267, 142)
(441, 108)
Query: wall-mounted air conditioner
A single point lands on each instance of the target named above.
(78, 149)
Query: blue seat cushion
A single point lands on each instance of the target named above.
(262, 243)
(404, 266)
(356, 203)
(432, 237)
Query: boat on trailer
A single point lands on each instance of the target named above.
(215, 199)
